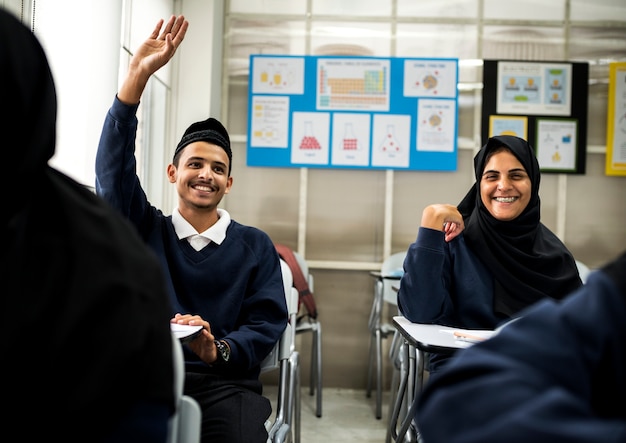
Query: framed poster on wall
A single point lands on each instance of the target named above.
(353, 112)
(543, 102)
(616, 120)
(508, 125)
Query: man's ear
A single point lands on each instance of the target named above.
(171, 173)
(229, 184)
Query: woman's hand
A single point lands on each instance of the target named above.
(443, 217)
(452, 229)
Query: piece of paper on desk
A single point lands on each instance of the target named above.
(185, 332)
(470, 336)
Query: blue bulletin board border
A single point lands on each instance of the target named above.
(347, 112)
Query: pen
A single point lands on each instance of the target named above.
(468, 337)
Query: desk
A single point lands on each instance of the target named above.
(434, 338)
(391, 276)
(421, 339)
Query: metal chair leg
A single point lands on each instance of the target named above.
(396, 384)
(294, 382)
(414, 386)
(318, 368)
(379, 374)
(313, 361)
(371, 362)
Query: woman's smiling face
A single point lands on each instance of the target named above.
(505, 186)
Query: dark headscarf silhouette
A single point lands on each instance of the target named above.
(527, 260)
(85, 328)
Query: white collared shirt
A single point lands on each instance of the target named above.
(216, 233)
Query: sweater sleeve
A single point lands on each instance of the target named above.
(116, 176)
(424, 295)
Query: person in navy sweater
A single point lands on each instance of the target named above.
(86, 340)
(556, 374)
(477, 265)
(220, 274)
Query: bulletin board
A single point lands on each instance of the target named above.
(543, 102)
(616, 120)
(353, 112)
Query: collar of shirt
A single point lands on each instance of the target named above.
(216, 233)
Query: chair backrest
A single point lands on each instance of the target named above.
(304, 266)
(286, 344)
(392, 267)
(281, 358)
(300, 278)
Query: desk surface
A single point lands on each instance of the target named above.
(378, 274)
(434, 338)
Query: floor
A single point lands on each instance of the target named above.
(347, 416)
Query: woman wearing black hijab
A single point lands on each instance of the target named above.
(477, 265)
(86, 342)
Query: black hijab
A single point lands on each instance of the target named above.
(85, 328)
(527, 260)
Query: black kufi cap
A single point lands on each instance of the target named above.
(209, 130)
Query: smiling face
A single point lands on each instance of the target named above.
(505, 187)
(201, 177)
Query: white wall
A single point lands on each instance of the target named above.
(83, 55)
(200, 63)
(82, 40)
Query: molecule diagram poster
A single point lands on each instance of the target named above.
(353, 112)
(544, 102)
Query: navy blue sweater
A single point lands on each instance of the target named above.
(236, 286)
(445, 283)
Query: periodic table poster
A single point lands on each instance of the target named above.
(353, 112)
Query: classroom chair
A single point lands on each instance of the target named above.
(284, 358)
(308, 320)
(184, 425)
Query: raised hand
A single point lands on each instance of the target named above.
(152, 54)
(161, 46)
